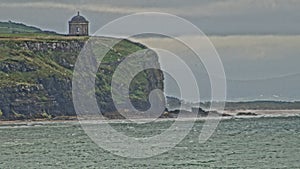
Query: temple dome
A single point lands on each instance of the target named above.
(78, 19)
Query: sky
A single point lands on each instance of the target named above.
(218, 17)
(257, 40)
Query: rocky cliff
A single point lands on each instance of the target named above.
(36, 77)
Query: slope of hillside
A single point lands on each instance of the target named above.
(19, 28)
(36, 76)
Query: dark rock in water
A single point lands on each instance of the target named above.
(175, 113)
(203, 113)
(196, 112)
(246, 114)
(226, 115)
(200, 111)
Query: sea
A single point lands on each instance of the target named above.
(258, 142)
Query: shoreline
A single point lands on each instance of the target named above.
(264, 111)
(72, 119)
(36, 121)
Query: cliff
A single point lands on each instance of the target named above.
(36, 76)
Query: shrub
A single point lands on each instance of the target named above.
(46, 116)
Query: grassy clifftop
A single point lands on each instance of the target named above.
(36, 73)
(12, 28)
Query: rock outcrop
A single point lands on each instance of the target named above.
(36, 77)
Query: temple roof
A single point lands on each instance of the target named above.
(78, 19)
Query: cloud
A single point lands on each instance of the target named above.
(272, 46)
(247, 57)
(92, 7)
(89, 7)
(189, 10)
(195, 9)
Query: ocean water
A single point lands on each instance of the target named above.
(267, 142)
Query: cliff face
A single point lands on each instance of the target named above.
(36, 77)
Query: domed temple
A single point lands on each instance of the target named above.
(78, 26)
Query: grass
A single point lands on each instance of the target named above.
(11, 55)
(12, 27)
(50, 64)
(39, 37)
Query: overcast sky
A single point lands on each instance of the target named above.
(258, 40)
(220, 17)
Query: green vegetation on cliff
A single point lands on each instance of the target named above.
(11, 29)
(36, 74)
